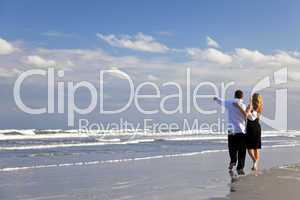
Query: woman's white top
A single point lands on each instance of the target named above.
(252, 116)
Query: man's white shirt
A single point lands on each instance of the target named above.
(236, 119)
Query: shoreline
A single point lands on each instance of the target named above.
(276, 183)
(201, 176)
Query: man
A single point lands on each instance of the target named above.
(236, 131)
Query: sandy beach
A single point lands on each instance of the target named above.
(276, 184)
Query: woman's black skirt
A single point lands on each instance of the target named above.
(253, 136)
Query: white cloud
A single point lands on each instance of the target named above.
(209, 63)
(260, 59)
(210, 54)
(217, 56)
(296, 53)
(251, 56)
(8, 73)
(93, 58)
(286, 59)
(6, 47)
(139, 42)
(38, 61)
(211, 42)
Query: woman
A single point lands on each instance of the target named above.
(253, 129)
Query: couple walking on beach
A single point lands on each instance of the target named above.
(244, 131)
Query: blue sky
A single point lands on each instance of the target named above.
(240, 41)
(264, 25)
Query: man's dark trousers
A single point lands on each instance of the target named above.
(237, 149)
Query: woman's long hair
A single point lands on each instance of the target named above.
(257, 103)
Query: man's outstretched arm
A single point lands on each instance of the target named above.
(219, 101)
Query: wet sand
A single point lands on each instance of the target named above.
(274, 184)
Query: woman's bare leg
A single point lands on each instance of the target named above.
(256, 157)
(251, 154)
(256, 154)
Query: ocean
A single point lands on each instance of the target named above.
(69, 164)
(27, 149)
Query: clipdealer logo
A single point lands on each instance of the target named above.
(280, 77)
(135, 96)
